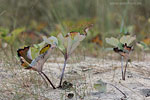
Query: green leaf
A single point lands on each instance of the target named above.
(112, 41)
(51, 40)
(16, 32)
(120, 46)
(127, 39)
(12, 37)
(100, 86)
(61, 47)
(34, 52)
(3, 32)
(74, 43)
(40, 45)
(61, 42)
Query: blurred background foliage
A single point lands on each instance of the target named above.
(50, 17)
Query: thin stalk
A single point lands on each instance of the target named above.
(118, 90)
(125, 70)
(122, 66)
(48, 80)
(43, 79)
(61, 78)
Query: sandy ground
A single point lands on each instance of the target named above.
(83, 75)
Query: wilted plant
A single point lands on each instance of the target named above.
(35, 57)
(68, 43)
(122, 47)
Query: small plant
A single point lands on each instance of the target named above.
(122, 47)
(68, 43)
(35, 57)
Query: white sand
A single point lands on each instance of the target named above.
(83, 74)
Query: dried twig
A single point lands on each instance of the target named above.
(118, 90)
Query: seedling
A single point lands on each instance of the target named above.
(123, 49)
(68, 43)
(34, 57)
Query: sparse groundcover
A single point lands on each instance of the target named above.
(87, 79)
(57, 57)
(35, 57)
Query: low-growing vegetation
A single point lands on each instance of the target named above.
(68, 50)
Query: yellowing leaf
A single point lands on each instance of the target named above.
(44, 49)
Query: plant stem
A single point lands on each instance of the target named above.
(48, 80)
(43, 79)
(122, 67)
(125, 70)
(61, 78)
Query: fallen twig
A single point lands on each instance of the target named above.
(118, 90)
